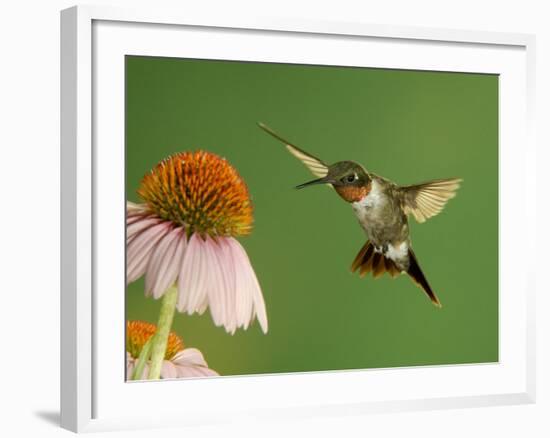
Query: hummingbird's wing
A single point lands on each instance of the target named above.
(428, 199)
(314, 164)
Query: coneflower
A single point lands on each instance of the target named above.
(182, 238)
(178, 362)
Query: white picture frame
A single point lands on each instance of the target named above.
(93, 39)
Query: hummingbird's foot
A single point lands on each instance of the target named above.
(383, 249)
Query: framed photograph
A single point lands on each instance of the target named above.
(240, 202)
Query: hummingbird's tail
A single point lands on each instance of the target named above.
(418, 277)
(369, 260)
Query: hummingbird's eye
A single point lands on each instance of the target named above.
(351, 178)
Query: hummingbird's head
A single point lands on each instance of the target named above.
(350, 180)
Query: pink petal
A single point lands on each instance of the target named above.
(138, 226)
(190, 363)
(189, 356)
(216, 289)
(193, 277)
(140, 248)
(227, 265)
(203, 306)
(186, 372)
(134, 218)
(248, 289)
(164, 263)
(168, 370)
(244, 300)
(206, 372)
(129, 367)
(259, 303)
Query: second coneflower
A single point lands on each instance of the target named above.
(177, 362)
(182, 238)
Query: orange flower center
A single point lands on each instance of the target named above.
(139, 332)
(201, 191)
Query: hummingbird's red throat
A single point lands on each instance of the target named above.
(353, 193)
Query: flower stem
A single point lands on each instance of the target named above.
(160, 340)
(142, 360)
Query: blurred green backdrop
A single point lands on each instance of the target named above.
(408, 126)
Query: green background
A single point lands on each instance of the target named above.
(409, 126)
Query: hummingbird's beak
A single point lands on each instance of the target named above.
(323, 180)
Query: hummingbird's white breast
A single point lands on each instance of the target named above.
(369, 212)
(369, 205)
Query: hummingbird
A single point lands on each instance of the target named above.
(382, 208)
